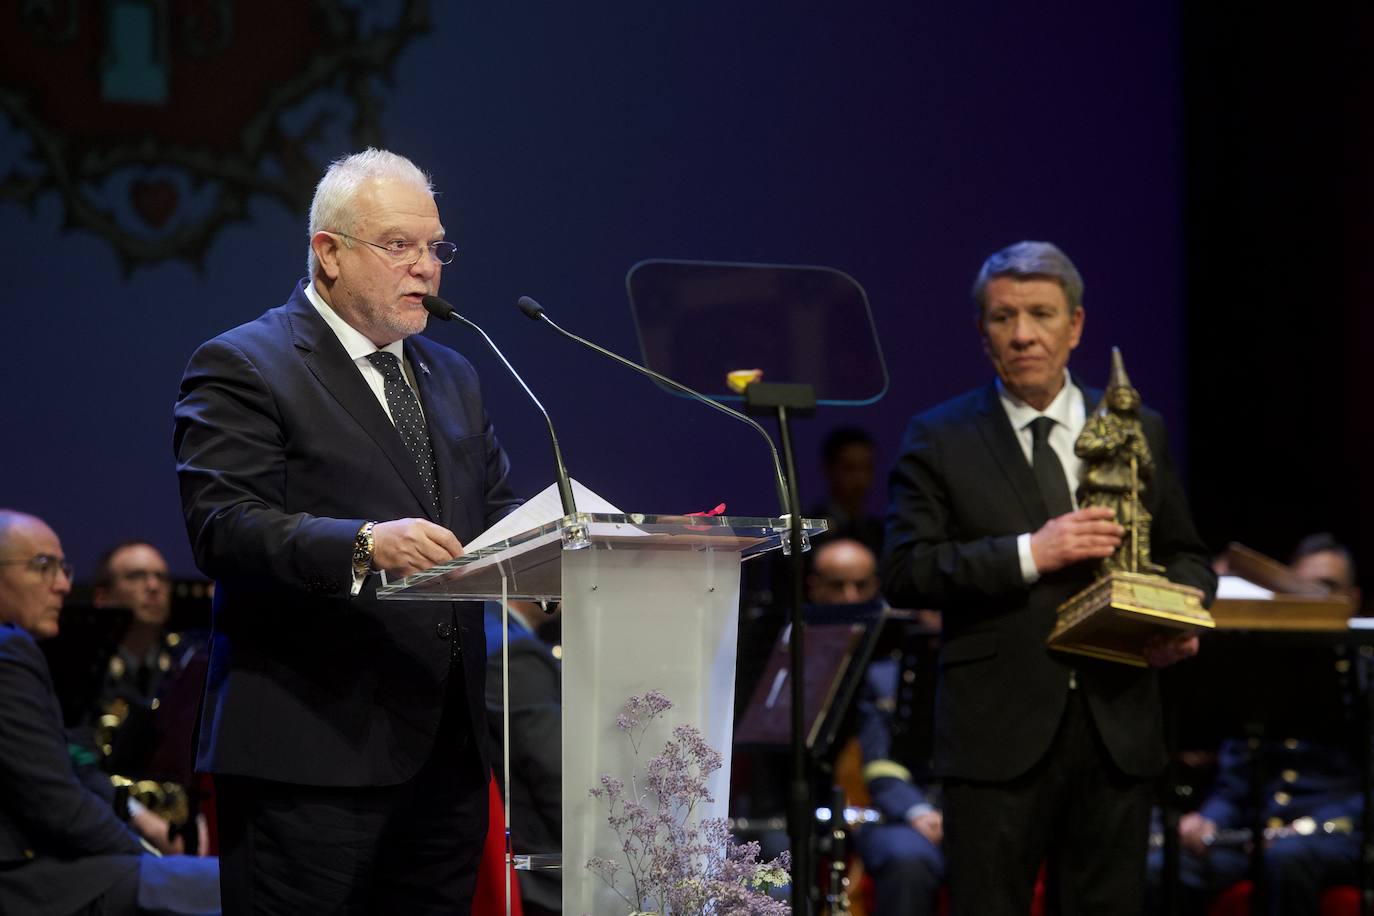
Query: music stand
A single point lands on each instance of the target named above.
(839, 646)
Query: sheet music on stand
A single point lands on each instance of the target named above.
(838, 649)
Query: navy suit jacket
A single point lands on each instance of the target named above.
(61, 845)
(283, 452)
(961, 493)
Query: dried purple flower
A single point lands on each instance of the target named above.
(677, 864)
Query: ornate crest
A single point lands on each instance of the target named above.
(159, 122)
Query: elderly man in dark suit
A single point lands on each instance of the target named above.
(1045, 757)
(63, 849)
(316, 445)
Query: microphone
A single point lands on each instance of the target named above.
(535, 312)
(442, 310)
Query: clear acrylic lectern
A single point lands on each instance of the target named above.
(651, 603)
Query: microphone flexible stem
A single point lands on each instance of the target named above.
(565, 493)
(780, 482)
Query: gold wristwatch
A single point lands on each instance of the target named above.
(362, 551)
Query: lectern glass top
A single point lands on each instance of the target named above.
(530, 561)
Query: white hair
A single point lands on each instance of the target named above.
(332, 207)
(11, 519)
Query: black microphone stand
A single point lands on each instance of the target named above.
(779, 398)
(576, 536)
(535, 312)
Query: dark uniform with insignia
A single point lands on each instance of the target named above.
(1308, 793)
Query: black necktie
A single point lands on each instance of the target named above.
(1049, 473)
(410, 422)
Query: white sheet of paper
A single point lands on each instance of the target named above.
(540, 510)
(1236, 587)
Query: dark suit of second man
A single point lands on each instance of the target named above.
(1045, 757)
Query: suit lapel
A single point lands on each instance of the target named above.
(1091, 396)
(329, 362)
(1004, 447)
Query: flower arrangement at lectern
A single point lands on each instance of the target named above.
(674, 862)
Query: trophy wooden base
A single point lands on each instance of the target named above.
(1113, 618)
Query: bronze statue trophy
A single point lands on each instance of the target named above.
(1131, 601)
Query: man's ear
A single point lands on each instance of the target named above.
(326, 246)
(1076, 327)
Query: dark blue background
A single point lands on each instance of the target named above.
(899, 142)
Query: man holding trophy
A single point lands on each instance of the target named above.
(1046, 754)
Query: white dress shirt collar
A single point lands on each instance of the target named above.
(355, 342)
(1067, 409)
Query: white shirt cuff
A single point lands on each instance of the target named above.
(919, 810)
(1029, 574)
(357, 584)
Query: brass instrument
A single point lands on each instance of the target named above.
(168, 800)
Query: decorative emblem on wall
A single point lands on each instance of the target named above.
(158, 123)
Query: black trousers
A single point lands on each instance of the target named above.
(411, 848)
(1074, 811)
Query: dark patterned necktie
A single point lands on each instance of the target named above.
(1049, 472)
(410, 422)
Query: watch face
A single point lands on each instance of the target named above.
(362, 549)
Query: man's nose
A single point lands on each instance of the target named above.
(427, 265)
(1023, 330)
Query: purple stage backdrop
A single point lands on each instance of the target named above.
(898, 142)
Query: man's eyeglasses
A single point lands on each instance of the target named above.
(45, 564)
(404, 252)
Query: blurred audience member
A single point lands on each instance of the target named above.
(133, 575)
(1321, 559)
(62, 848)
(1308, 793)
(903, 852)
(847, 456)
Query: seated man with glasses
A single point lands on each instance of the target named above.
(62, 849)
